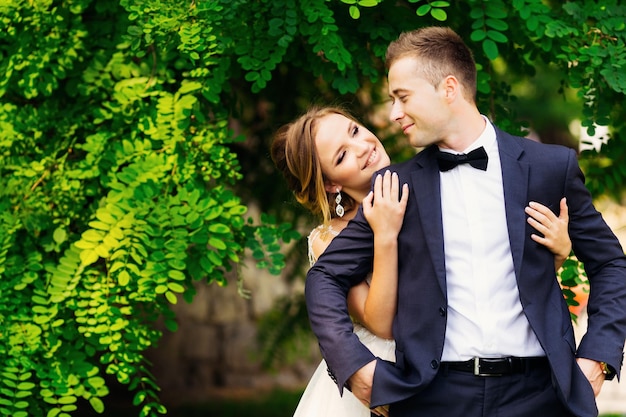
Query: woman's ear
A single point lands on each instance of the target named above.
(332, 188)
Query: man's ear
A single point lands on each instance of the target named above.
(451, 87)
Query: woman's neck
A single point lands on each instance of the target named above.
(338, 223)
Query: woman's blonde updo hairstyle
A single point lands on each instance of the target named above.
(294, 153)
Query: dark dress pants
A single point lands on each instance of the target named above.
(461, 394)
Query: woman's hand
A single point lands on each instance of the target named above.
(554, 229)
(384, 206)
(375, 306)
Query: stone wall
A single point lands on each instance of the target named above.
(216, 350)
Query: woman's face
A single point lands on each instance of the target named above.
(349, 155)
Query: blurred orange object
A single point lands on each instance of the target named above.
(582, 297)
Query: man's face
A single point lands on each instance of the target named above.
(418, 107)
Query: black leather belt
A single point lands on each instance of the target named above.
(497, 366)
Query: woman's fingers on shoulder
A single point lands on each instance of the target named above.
(564, 214)
(405, 193)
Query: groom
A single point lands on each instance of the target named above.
(482, 328)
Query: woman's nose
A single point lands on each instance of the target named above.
(361, 147)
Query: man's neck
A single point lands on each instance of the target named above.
(465, 129)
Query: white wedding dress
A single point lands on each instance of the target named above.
(321, 397)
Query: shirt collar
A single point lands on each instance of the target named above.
(486, 139)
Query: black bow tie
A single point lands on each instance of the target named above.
(476, 158)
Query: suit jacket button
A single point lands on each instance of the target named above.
(434, 364)
(442, 311)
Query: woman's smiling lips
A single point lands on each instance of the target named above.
(372, 158)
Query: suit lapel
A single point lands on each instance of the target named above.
(515, 181)
(427, 195)
(426, 192)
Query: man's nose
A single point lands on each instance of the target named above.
(396, 112)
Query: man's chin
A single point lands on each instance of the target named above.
(417, 142)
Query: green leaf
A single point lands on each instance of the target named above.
(89, 257)
(176, 275)
(354, 11)
(497, 36)
(176, 264)
(46, 393)
(123, 278)
(175, 287)
(139, 397)
(92, 235)
(97, 404)
(497, 24)
(83, 244)
(423, 10)
(477, 14)
(439, 14)
(105, 217)
(532, 23)
(217, 243)
(189, 86)
(490, 48)
(252, 76)
(171, 297)
(99, 225)
(171, 325)
(53, 412)
(25, 386)
(59, 235)
(68, 407)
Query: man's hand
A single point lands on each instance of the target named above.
(361, 383)
(593, 372)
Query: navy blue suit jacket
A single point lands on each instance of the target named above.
(531, 172)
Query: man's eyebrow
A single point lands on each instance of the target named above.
(398, 91)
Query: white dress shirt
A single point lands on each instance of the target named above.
(485, 316)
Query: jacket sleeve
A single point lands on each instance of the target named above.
(344, 263)
(597, 247)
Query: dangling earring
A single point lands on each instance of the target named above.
(339, 208)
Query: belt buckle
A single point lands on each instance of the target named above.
(477, 369)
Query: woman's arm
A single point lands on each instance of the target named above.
(554, 229)
(374, 306)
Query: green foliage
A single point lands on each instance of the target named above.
(284, 332)
(573, 275)
(116, 195)
(435, 8)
